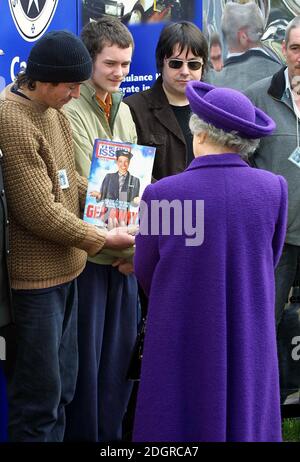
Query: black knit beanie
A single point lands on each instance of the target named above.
(59, 56)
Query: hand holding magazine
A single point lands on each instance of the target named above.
(120, 238)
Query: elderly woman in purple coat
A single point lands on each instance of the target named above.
(209, 241)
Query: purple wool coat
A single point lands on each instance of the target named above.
(210, 369)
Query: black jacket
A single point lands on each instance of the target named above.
(157, 126)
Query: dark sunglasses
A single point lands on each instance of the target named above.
(193, 65)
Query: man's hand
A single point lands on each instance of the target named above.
(124, 266)
(136, 200)
(96, 194)
(119, 238)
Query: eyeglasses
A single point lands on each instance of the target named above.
(193, 64)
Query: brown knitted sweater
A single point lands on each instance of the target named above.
(46, 234)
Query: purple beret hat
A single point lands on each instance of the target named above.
(228, 110)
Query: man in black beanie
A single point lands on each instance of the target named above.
(57, 65)
(49, 243)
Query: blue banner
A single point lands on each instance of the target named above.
(145, 24)
(25, 21)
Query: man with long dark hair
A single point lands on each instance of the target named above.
(162, 113)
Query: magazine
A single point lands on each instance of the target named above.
(118, 177)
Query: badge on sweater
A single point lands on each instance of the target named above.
(63, 179)
(295, 157)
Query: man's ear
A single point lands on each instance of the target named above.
(284, 48)
(243, 38)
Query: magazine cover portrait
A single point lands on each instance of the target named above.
(119, 174)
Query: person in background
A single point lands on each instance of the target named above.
(210, 367)
(247, 60)
(162, 113)
(107, 288)
(48, 241)
(215, 52)
(278, 95)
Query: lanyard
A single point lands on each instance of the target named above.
(297, 123)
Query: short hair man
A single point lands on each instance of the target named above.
(162, 113)
(215, 52)
(247, 60)
(48, 241)
(278, 96)
(108, 299)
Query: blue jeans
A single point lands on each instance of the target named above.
(47, 362)
(107, 329)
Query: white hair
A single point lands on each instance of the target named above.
(245, 146)
(237, 16)
(294, 24)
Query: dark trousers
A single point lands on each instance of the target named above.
(46, 367)
(3, 407)
(285, 275)
(107, 329)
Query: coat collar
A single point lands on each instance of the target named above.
(245, 56)
(217, 160)
(88, 92)
(158, 98)
(277, 87)
(33, 104)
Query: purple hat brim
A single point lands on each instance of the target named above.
(195, 92)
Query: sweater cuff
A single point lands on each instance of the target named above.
(93, 241)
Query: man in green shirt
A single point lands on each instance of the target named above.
(108, 294)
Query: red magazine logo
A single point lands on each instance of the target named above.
(108, 150)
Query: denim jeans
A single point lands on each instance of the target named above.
(46, 364)
(107, 321)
